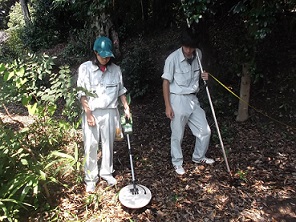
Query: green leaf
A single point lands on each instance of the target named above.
(20, 82)
(8, 200)
(64, 125)
(42, 175)
(2, 67)
(8, 76)
(19, 151)
(32, 109)
(35, 189)
(63, 155)
(24, 162)
(26, 100)
(52, 109)
(18, 182)
(21, 72)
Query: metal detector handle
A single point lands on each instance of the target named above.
(127, 125)
(128, 120)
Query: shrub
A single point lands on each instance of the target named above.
(36, 156)
(138, 71)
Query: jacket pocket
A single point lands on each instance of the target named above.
(183, 78)
(112, 90)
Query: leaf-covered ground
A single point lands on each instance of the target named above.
(261, 156)
(261, 186)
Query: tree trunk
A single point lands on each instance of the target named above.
(25, 11)
(243, 113)
(104, 27)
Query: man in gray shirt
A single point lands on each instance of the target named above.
(180, 84)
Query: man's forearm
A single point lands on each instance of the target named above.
(84, 104)
(124, 101)
(166, 92)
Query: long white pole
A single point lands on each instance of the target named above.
(214, 116)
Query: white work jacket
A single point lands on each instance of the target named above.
(103, 88)
(183, 77)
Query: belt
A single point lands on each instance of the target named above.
(183, 94)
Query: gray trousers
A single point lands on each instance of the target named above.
(103, 131)
(187, 110)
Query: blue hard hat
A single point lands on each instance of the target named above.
(103, 46)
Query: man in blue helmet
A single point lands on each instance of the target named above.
(100, 83)
(180, 84)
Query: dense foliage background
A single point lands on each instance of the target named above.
(42, 43)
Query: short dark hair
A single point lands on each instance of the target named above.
(189, 38)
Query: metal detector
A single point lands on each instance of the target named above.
(133, 195)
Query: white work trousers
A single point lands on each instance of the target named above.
(104, 130)
(187, 110)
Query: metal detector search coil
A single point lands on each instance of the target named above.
(135, 201)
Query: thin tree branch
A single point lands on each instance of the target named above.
(9, 115)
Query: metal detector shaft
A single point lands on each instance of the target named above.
(214, 116)
(131, 163)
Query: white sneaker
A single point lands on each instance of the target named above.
(110, 180)
(204, 160)
(179, 170)
(90, 187)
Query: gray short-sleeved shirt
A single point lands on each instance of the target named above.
(105, 87)
(183, 77)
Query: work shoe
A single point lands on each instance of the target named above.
(90, 187)
(179, 170)
(110, 180)
(204, 160)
